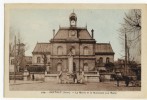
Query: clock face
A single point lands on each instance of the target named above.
(73, 33)
(73, 22)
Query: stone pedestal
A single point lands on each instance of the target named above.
(70, 64)
(82, 77)
(47, 68)
(25, 75)
(70, 78)
(58, 77)
(45, 72)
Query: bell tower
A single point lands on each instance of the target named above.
(73, 19)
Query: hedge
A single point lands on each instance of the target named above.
(36, 69)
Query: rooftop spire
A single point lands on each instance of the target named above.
(73, 19)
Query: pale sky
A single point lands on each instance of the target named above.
(36, 25)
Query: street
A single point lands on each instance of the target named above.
(50, 86)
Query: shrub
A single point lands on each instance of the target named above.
(36, 69)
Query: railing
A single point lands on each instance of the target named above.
(37, 72)
(85, 72)
(16, 73)
(90, 72)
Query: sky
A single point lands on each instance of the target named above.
(36, 25)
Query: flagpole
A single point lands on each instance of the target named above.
(15, 60)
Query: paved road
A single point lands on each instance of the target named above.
(46, 86)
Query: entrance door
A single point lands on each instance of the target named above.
(59, 67)
(86, 67)
(74, 67)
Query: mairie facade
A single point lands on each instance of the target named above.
(78, 42)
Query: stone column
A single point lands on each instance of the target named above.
(70, 64)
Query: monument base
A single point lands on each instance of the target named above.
(67, 78)
(70, 78)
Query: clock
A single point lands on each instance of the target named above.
(73, 33)
(73, 22)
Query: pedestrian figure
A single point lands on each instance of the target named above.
(33, 77)
(75, 78)
(59, 77)
(117, 79)
(127, 81)
(28, 77)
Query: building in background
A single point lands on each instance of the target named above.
(17, 57)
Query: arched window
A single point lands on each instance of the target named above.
(85, 50)
(59, 67)
(98, 61)
(73, 50)
(38, 59)
(101, 60)
(59, 50)
(12, 61)
(85, 67)
(107, 60)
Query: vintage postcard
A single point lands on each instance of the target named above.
(75, 50)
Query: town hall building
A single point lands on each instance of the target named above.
(73, 50)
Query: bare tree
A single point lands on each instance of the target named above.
(45, 60)
(18, 49)
(132, 28)
(44, 57)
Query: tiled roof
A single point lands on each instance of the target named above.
(104, 48)
(63, 33)
(42, 47)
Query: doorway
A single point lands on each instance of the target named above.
(74, 67)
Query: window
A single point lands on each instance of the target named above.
(59, 67)
(86, 67)
(101, 60)
(73, 51)
(107, 60)
(59, 50)
(38, 60)
(86, 50)
(97, 61)
(12, 61)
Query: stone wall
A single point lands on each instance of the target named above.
(11, 65)
(92, 78)
(105, 77)
(34, 59)
(55, 48)
(11, 68)
(82, 78)
(55, 62)
(37, 76)
(90, 48)
(51, 77)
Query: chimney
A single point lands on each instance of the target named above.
(92, 33)
(53, 32)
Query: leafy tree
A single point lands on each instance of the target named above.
(109, 66)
